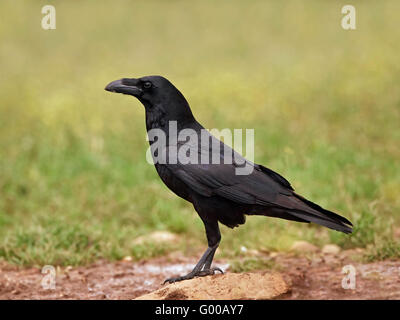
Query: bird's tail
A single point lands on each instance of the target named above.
(311, 212)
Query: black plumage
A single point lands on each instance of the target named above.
(217, 192)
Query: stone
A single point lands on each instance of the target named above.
(304, 246)
(331, 249)
(228, 286)
(127, 259)
(157, 237)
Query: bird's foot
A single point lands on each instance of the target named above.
(193, 274)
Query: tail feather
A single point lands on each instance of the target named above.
(329, 223)
(303, 209)
(319, 215)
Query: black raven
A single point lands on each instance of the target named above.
(217, 192)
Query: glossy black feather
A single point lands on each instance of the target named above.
(215, 190)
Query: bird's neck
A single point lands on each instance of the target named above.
(158, 118)
(155, 119)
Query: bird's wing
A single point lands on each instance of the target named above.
(214, 179)
(262, 186)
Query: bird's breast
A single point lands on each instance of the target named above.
(173, 183)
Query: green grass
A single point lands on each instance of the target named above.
(324, 103)
(384, 250)
(250, 264)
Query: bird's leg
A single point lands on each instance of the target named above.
(209, 259)
(207, 270)
(203, 267)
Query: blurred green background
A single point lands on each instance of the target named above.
(324, 103)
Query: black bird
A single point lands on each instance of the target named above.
(217, 192)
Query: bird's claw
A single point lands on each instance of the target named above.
(210, 271)
(176, 279)
(191, 275)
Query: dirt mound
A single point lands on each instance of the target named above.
(230, 286)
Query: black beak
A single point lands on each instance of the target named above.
(125, 86)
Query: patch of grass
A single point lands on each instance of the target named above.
(52, 245)
(252, 264)
(364, 232)
(149, 250)
(386, 250)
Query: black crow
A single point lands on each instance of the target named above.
(218, 193)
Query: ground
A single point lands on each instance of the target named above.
(316, 276)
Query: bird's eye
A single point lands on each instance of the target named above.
(147, 85)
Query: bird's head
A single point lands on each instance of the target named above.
(156, 93)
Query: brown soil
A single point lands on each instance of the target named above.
(228, 286)
(314, 276)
